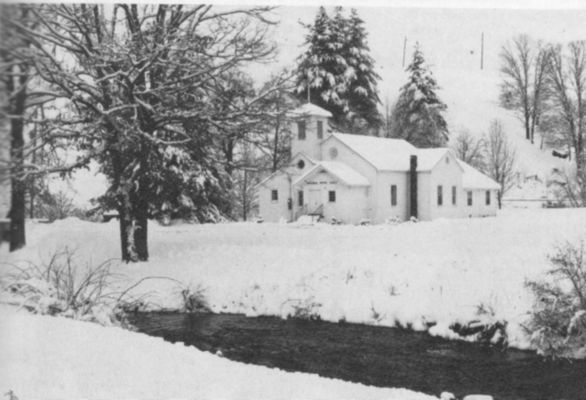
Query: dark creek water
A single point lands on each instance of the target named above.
(376, 356)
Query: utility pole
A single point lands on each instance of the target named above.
(404, 49)
(482, 51)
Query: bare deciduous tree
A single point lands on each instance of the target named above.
(566, 77)
(500, 158)
(469, 149)
(523, 64)
(273, 134)
(138, 81)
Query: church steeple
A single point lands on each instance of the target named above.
(310, 124)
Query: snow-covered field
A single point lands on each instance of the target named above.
(407, 274)
(410, 274)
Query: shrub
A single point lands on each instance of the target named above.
(62, 287)
(558, 319)
(194, 299)
(307, 309)
(395, 220)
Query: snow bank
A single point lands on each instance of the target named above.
(57, 358)
(441, 272)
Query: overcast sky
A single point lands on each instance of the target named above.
(449, 37)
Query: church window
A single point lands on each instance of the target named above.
(332, 196)
(393, 195)
(333, 153)
(301, 130)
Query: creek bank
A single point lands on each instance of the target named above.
(378, 356)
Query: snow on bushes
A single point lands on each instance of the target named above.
(61, 286)
(66, 286)
(558, 320)
(194, 299)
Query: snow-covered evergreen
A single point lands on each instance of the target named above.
(418, 113)
(363, 97)
(339, 71)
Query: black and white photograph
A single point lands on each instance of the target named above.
(274, 200)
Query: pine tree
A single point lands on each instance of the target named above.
(417, 115)
(363, 98)
(339, 71)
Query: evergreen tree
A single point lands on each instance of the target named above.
(339, 71)
(417, 115)
(362, 97)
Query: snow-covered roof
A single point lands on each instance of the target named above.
(268, 178)
(301, 155)
(383, 153)
(474, 179)
(342, 171)
(428, 158)
(311, 109)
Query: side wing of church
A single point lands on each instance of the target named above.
(354, 179)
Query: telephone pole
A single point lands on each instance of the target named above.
(404, 49)
(482, 51)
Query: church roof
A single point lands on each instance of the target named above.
(387, 154)
(428, 158)
(383, 153)
(394, 155)
(474, 179)
(342, 171)
(311, 109)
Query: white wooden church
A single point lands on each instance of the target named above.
(355, 179)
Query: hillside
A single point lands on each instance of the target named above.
(472, 100)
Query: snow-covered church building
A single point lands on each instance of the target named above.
(356, 179)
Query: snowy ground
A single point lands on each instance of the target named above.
(409, 274)
(58, 358)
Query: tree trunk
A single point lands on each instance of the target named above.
(528, 128)
(499, 197)
(245, 197)
(18, 195)
(275, 154)
(126, 231)
(532, 132)
(141, 220)
(229, 154)
(581, 175)
(17, 215)
(141, 237)
(32, 188)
